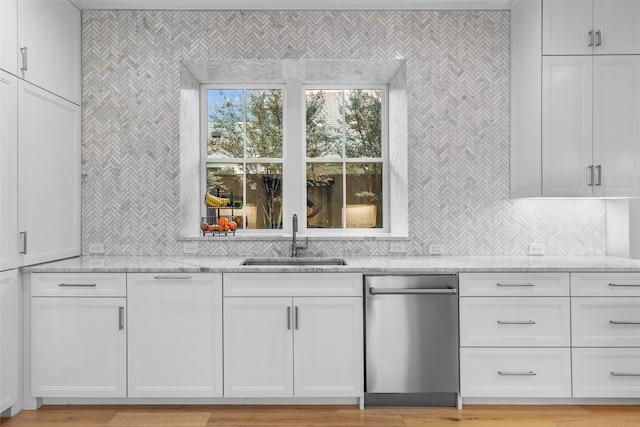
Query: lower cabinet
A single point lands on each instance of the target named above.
(175, 335)
(78, 339)
(606, 372)
(9, 344)
(288, 345)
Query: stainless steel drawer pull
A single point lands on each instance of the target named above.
(527, 374)
(591, 175)
(297, 318)
(172, 277)
(516, 322)
(622, 374)
(392, 291)
(120, 318)
(598, 38)
(288, 318)
(515, 284)
(590, 34)
(618, 322)
(624, 286)
(599, 175)
(23, 51)
(23, 234)
(77, 285)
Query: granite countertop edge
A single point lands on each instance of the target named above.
(355, 264)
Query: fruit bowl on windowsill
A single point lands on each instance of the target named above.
(214, 226)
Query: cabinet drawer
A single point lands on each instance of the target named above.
(514, 284)
(610, 322)
(605, 284)
(515, 321)
(606, 372)
(292, 284)
(515, 372)
(78, 285)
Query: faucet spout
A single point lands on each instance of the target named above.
(294, 244)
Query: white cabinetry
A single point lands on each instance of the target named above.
(295, 335)
(48, 175)
(9, 344)
(9, 256)
(515, 335)
(49, 46)
(583, 27)
(8, 35)
(78, 336)
(175, 335)
(606, 334)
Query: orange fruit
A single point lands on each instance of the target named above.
(226, 228)
(204, 226)
(210, 227)
(222, 222)
(233, 225)
(215, 228)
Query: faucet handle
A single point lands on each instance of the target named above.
(295, 223)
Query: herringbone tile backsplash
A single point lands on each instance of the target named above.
(458, 126)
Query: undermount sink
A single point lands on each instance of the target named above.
(293, 261)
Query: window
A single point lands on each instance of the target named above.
(275, 149)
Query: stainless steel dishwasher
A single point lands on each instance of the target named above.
(411, 340)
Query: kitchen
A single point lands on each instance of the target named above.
(132, 195)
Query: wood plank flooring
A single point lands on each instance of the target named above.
(327, 416)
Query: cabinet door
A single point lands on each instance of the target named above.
(8, 171)
(48, 174)
(619, 24)
(8, 35)
(78, 347)
(567, 126)
(50, 32)
(9, 344)
(616, 126)
(328, 347)
(175, 335)
(258, 347)
(565, 27)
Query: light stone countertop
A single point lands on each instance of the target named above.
(363, 264)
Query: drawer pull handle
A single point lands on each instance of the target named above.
(172, 277)
(515, 284)
(523, 374)
(622, 374)
(624, 286)
(120, 318)
(77, 285)
(516, 322)
(620, 322)
(288, 318)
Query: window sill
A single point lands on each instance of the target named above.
(287, 237)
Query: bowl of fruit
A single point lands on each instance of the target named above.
(218, 226)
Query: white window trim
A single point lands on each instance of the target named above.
(294, 104)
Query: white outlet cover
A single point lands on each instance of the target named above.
(398, 247)
(96, 248)
(436, 249)
(190, 248)
(536, 249)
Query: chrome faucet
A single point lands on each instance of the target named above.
(294, 244)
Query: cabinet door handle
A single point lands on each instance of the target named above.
(599, 175)
(620, 322)
(120, 318)
(288, 318)
(172, 277)
(599, 38)
(515, 284)
(296, 318)
(527, 374)
(516, 322)
(624, 286)
(623, 374)
(23, 234)
(23, 51)
(591, 174)
(590, 33)
(77, 285)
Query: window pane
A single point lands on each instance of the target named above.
(264, 196)
(364, 195)
(224, 182)
(225, 125)
(324, 123)
(363, 118)
(324, 195)
(264, 123)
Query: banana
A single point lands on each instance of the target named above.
(216, 202)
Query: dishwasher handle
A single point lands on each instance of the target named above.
(411, 291)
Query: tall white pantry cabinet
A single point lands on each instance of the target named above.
(575, 98)
(39, 156)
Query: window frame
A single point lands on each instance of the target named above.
(294, 156)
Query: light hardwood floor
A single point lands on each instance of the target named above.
(324, 416)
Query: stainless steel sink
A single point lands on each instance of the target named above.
(293, 261)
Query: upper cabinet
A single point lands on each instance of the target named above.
(9, 252)
(584, 27)
(48, 51)
(8, 35)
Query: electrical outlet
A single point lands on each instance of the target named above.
(536, 249)
(436, 249)
(398, 247)
(96, 248)
(190, 248)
